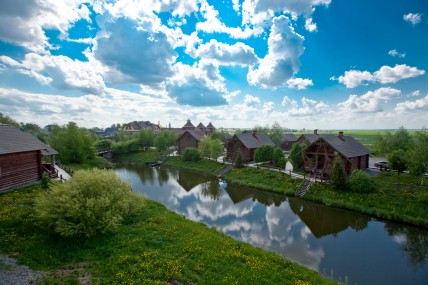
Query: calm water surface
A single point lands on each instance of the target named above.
(337, 243)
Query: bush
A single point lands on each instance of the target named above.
(360, 182)
(45, 180)
(190, 154)
(263, 153)
(92, 202)
(239, 159)
(278, 157)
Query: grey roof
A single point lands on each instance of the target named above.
(201, 126)
(254, 140)
(310, 137)
(210, 126)
(349, 147)
(196, 134)
(289, 138)
(13, 140)
(188, 124)
(139, 125)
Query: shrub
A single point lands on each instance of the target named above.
(360, 182)
(278, 157)
(263, 153)
(190, 154)
(239, 159)
(92, 202)
(45, 180)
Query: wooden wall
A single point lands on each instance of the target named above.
(18, 169)
(234, 145)
(185, 141)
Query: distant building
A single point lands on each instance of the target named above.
(248, 142)
(287, 141)
(189, 138)
(134, 127)
(22, 158)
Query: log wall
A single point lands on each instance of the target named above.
(18, 169)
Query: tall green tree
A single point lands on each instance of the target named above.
(276, 133)
(296, 155)
(6, 120)
(204, 147)
(145, 138)
(337, 175)
(263, 153)
(278, 158)
(398, 162)
(418, 155)
(216, 148)
(165, 139)
(400, 139)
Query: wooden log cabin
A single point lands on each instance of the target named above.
(320, 154)
(23, 158)
(248, 142)
(189, 138)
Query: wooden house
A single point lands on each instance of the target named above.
(134, 127)
(308, 138)
(248, 142)
(189, 138)
(319, 155)
(287, 141)
(23, 158)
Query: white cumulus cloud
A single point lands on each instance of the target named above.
(369, 102)
(299, 83)
(409, 106)
(395, 53)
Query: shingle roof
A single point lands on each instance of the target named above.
(255, 140)
(139, 125)
(349, 146)
(289, 138)
(196, 134)
(210, 126)
(201, 126)
(13, 140)
(188, 124)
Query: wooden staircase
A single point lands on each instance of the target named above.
(225, 169)
(306, 185)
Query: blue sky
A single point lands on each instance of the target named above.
(325, 64)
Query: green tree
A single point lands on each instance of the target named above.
(145, 138)
(218, 135)
(278, 157)
(360, 182)
(239, 158)
(104, 144)
(121, 136)
(337, 175)
(6, 120)
(161, 142)
(216, 148)
(263, 153)
(418, 155)
(397, 161)
(400, 139)
(204, 147)
(296, 155)
(93, 202)
(276, 133)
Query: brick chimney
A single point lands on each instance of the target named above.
(341, 135)
(315, 131)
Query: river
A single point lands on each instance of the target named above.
(339, 244)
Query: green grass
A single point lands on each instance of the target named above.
(149, 155)
(158, 246)
(96, 162)
(269, 180)
(201, 166)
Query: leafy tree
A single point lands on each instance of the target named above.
(400, 139)
(418, 155)
(216, 148)
(338, 175)
(204, 147)
(190, 154)
(263, 153)
(93, 202)
(145, 138)
(239, 159)
(276, 133)
(121, 136)
(218, 135)
(104, 144)
(31, 128)
(360, 182)
(261, 129)
(397, 161)
(296, 155)
(277, 156)
(6, 120)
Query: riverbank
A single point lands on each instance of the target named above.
(156, 247)
(406, 206)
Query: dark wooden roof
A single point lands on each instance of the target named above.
(13, 140)
(210, 126)
(289, 138)
(347, 146)
(196, 134)
(309, 137)
(201, 126)
(254, 140)
(139, 125)
(188, 124)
